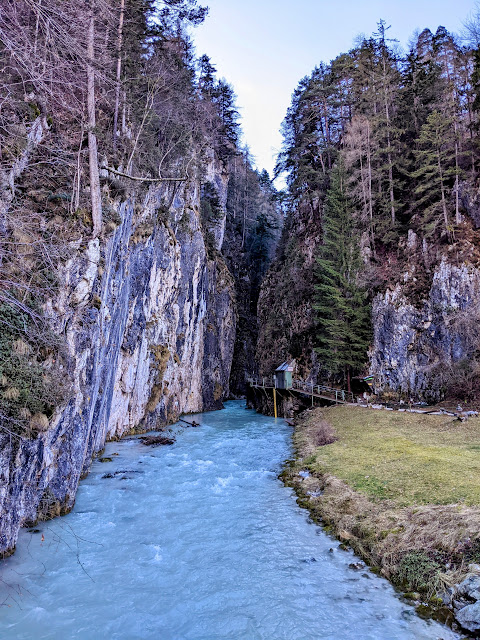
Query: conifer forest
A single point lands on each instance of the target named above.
(381, 163)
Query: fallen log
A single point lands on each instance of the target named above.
(155, 441)
(190, 424)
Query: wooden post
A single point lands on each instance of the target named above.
(275, 402)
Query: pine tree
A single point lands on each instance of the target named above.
(436, 160)
(175, 12)
(312, 130)
(206, 80)
(358, 155)
(449, 57)
(224, 98)
(418, 97)
(389, 82)
(342, 312)
(374, 86)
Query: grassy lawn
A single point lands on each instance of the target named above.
(410, 458)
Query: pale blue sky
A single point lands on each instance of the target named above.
(264, 47)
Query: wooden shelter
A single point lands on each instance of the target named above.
(283, 376)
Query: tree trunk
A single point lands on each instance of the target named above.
(75, 202)
(390, 180)
(124, 113)
(237, 190)
(458, 215)
(95, 193)
(245, 201)
(442, 189)
(119, 72)
(470, 127)
(389, 152)
(37, 22)
(370, 198)
(327, 133)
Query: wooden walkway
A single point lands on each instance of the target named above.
(339, 396)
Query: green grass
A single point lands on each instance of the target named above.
(407, 457)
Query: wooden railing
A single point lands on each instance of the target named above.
(336, 395)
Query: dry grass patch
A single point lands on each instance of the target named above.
(404, 543)
(315, 432)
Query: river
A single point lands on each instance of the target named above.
(196, 541)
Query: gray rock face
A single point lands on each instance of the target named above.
(217, 175)
(470, 588)
(413, 346)
(149, 321)
(469, 617)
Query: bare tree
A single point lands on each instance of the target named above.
(55, 52)
(119, 72)
(95, 193)
(359, 149)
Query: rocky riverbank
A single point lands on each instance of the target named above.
(419, 531)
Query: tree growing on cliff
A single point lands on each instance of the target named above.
(341, 308)
(206, 79)
(436, 169)
(224, 97)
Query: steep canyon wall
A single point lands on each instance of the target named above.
(148, 315)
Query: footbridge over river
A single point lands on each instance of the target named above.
(303, 389)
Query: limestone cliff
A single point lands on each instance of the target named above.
(422, 349)
(148, 315)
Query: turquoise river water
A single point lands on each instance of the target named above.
(196, 541)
